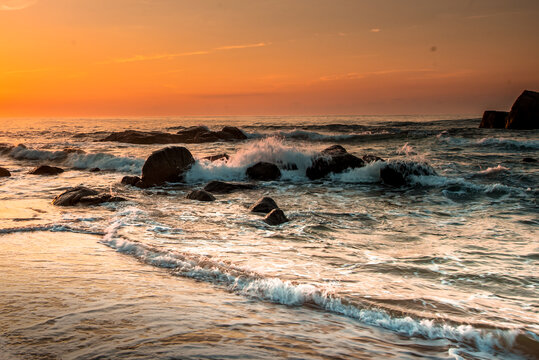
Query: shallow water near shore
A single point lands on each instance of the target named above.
(444, 267)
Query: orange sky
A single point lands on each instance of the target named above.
(176, 57)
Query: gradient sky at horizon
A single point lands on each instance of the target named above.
(237, 57)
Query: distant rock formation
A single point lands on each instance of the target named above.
(494, 119)
(192, 135)
(524, 114)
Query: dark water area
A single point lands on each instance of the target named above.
(444, 267)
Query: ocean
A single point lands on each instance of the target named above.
(444, 267)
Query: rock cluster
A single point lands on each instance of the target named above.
(524, 114)
(192, 135)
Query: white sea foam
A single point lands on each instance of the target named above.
(105, 162)
(367, 174)
(272, 150)
(493, 170)
(503, 143)
(78, 160)
(51, 228)
(253, 285)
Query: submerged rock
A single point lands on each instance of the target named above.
(168, 164)
(220, 187)
(4, 172)
(200, 195)
(264, 205)
(494, 119)
(130, 180)
(398, 173)
(84, 196)
(524, 114)
(95, 169)
(46, 170)
(275, 217)
(217, 157)
(369, 158)
(334, 159)
(529, 160)
(263, 171)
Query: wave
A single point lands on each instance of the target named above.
(77, 159)
(253, 285)
(271, 149)
(50, 227)
(503, 143)
(455, 186)
(493, 171)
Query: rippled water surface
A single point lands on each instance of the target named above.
(444, 267)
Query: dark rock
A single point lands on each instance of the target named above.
(369, 158)
(275, 217)
(529, 160)
(264, 205)
(84, 196)
(220, 187)
(263, 171)
(46, 170)
(167, 164)
(4, 172)
(144, 137)
(232, 133)
(494, 119)
(524, 113)
(96, 169)
(200, 195)
(193, 131)
(213, 158)
(334, 159)
(398, 173)
(192, 135)
(130, 180)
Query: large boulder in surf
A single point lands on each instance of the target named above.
(46, 170)
(334, 159)
(399, 173)
(524, 113)
(493, 119)
(166, 165)
(220, 187)
(200, 195)
(264, 205)
(263, 171)
(83, 196)
(4, 172)
(275, 217)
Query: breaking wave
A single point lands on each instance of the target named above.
(253, 285)
(77, 159)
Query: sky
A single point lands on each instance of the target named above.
(257, 57)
